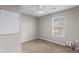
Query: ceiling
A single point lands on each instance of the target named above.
(37, 10)
(41, 10)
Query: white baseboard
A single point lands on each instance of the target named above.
(22, 41)
(53, 41)
(43, 39)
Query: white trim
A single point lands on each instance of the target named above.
(43, 39)
(63, 25)
(25, 39)
(53, 41)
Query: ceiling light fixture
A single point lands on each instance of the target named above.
(40, 12)
(40, 9)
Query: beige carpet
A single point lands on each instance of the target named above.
(42, 46)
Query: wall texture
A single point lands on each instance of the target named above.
(10, 43)
(28, 28)
(71, 26)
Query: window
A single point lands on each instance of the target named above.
(58, 26)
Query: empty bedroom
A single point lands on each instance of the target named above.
(39, 28)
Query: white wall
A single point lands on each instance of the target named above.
(9, 22)
(28, 28)
(10, 43)
(71, 26)
(15, 31)
(9, 32)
